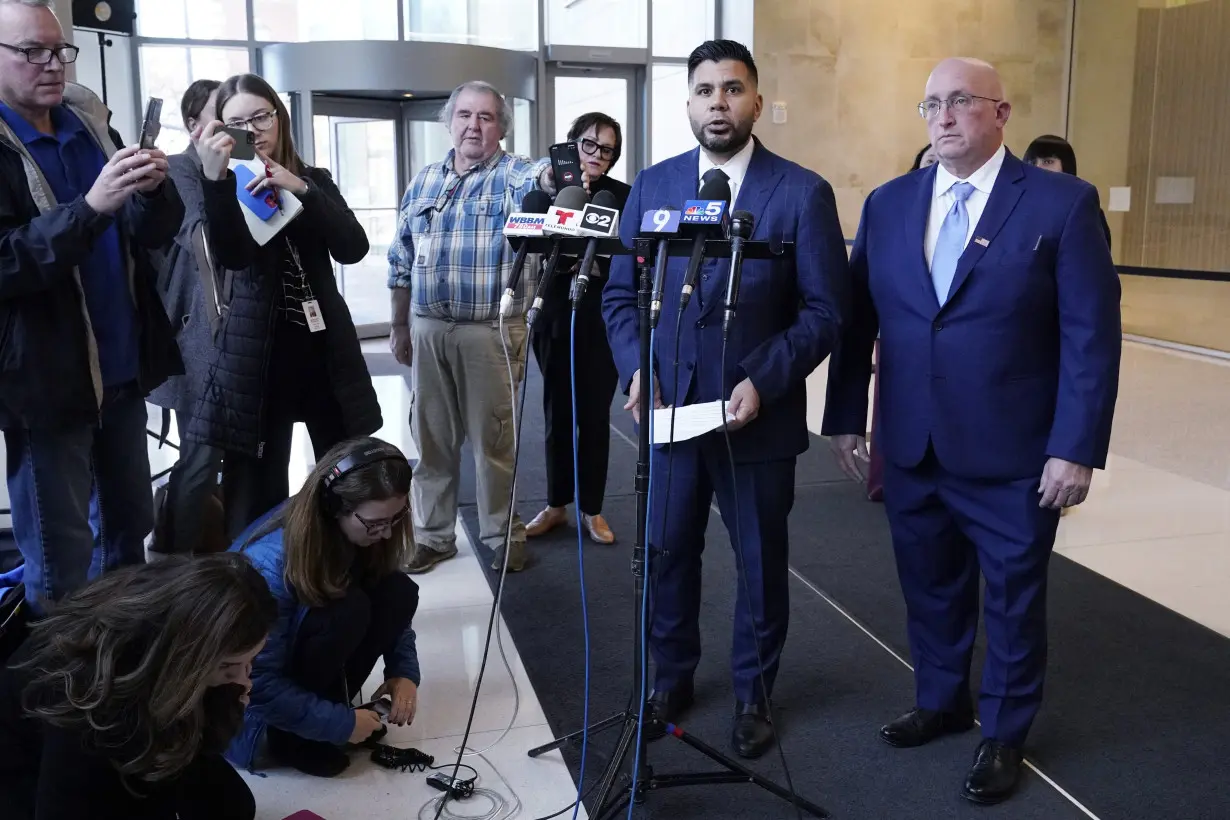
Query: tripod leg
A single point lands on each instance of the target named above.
(627, 739)
(744, 773)
(561, 742)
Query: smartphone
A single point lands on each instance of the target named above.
(265, 204)
(566, 163)
(382, 707)
(153, 123)
(245, 143)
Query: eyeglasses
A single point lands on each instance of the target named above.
(592, 147)
(375, 527)
(41, 55)
(257, 122)
(960, 104)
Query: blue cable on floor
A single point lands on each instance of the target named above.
(576, 490)
(640, 716)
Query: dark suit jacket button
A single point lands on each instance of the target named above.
(705, 276)
(937, 326)
(700, 324)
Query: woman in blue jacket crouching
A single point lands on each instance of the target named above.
(331, 556)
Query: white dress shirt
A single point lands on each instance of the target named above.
(942, 201)
(735, 168)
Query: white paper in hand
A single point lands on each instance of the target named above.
(691, 420)
(263, 230)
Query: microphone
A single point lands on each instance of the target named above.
(662, 222)
(600, 220)
(707, 215)
(563, 219)
(525, 223)
(741, 225)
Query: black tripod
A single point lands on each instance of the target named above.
(610, 802)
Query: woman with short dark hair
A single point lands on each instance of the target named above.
(119, 705)
(1056, 154)
(600, 142)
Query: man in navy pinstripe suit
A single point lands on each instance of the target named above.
(789, 316)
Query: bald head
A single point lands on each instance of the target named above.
(967, 126)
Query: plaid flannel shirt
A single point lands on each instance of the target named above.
(450, 249)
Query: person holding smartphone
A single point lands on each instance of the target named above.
(331, 556)
(84, 337)
(281, 345)
(599, 140)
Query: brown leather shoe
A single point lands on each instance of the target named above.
(598, 529)
(545, 521)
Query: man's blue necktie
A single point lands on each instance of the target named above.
(951, 244)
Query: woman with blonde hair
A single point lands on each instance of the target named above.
(332, 556)
(120, 704)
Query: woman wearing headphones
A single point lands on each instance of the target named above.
(331, 556)
(120, 705)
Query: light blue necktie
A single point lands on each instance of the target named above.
(951, 244)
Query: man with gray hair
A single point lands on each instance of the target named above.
(83, 335)
(448, 267)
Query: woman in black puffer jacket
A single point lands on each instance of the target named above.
(267, 364)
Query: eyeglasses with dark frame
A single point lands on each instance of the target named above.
(961, 103)
(593, 147)
(260, 121)
(41, 55)
(374, 527)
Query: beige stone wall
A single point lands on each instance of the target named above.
(852, 72)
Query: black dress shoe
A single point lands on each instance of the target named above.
(995, 773)
(919, 726)
(752, 734)
(669, 705)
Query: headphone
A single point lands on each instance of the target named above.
(368, 451)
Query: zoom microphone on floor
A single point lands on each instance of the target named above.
(599, 220)
(563, 220)
(528, 222)
(703, 218)
(663, 223)
(742, 223)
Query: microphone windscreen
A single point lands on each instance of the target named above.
(742, 223)
(573, 197)
(605, 199)
(716, 189)
(536, 202)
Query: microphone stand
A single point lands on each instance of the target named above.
(606, 804)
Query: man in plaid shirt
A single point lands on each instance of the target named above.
(448, 267)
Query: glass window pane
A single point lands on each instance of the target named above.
(737, 21)
(672, 133)
(613, 23)
(575, 96)
(298, 21)
(680, 26)
(196, 19)
(167, 71)
(511, 24)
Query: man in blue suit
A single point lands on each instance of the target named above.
(788, 320)
(992, 288)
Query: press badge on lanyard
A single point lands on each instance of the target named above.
(311, 307)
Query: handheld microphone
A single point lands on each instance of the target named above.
(526, 223)
(600, 220)
(707, 216)
(663, 222)
(563, 219)
(742, 223)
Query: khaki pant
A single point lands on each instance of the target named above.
(461, 391)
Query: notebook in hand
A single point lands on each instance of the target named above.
(264, 229)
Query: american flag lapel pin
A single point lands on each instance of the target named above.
(983, 242)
